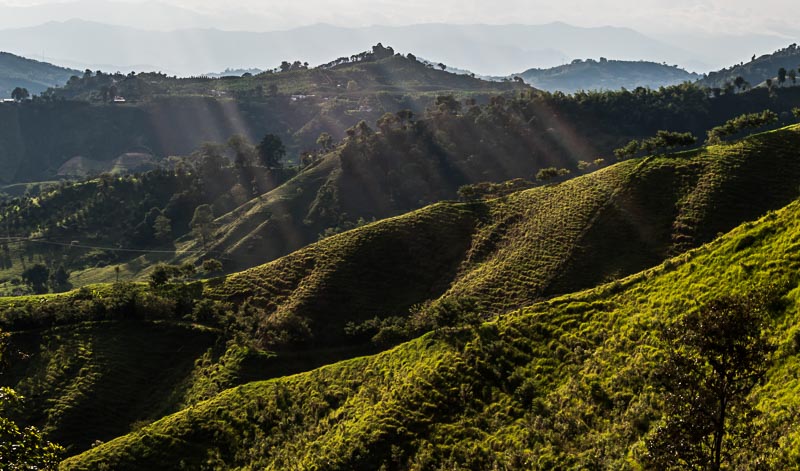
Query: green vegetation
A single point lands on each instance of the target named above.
(565, 383)
(478, 355)
(741, 123)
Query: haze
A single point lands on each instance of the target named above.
(698, 35)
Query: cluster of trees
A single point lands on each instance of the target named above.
(741, 123)
(21, 448)
(162, 274)
(662, 141)
(40, 277)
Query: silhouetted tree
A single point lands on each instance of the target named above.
(20, 94)
(717, 355)
(271, 151)
(37, 277)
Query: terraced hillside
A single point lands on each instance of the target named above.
(374, 286)
(566, 383)
(513, 251)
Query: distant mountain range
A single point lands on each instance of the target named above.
(36, 76)
(483, 49)
(606, 75)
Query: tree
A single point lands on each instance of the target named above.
(202, 223)
(547, 174)
(285, 66)
(243, 151)
(717, 354)
(271, 151)
(162, 228)
(448, 104)
(629, 150)
(441, 66)
(325, 141)
(739, 82)
(272, 90)
(23, 448)
(781, 76)
(59, 279)
(163, 274)
(20, 94)
(37, 277)
(793, 76)
(211, 266)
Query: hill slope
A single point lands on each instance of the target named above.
(376, 285)
(758, 70)
(510, 252)
(567, 383)
(16, 71)
(605, 75)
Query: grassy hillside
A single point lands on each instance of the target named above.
(512, 251)
(566, 383)
(374, 286)
(606, 75)
(16, 71)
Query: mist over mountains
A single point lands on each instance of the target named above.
(483, 49)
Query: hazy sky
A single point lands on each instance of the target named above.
(648, 16)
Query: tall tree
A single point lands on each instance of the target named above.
(37, 277)
(20, 94)
(717, 355)
(203, 223)
(271, 151)
(781, 76)
(162, 228)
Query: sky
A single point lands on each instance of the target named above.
(648, 16)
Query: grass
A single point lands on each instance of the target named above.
(466, 395)
(511, 252)
(564, 383)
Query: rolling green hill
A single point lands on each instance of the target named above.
(513, 251)
(35, 76)
(565, 383)
(374, 286)
(606, 75)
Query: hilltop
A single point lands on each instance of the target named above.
(563, 383)
(372, 287)
(35, 76)
(606, 75)
(167, 116)
(758, 70)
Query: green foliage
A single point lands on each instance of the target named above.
(741, 123)
(565, 383)
(717, 355)
(23, 449)
(663, 140)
